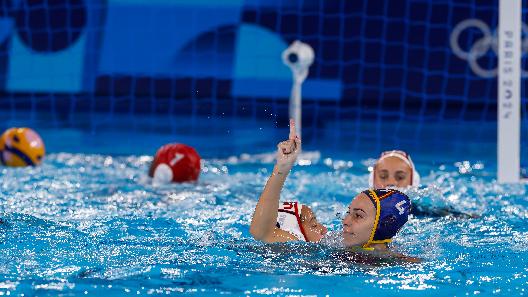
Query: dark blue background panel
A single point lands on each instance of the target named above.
(389, 57)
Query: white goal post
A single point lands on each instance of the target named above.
(509, 91)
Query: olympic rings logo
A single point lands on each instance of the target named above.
(482, 46)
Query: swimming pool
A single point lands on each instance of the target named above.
(89, 222)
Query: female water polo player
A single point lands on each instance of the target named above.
(374, 216)
(396, 169)
(291, 221)
(175, 162)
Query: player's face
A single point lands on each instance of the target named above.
(392, 172)
(359, 221)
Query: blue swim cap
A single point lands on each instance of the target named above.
(392, 212)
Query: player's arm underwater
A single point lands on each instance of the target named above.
(263, 225)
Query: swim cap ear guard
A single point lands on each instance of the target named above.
(392, 212)
(415, 178)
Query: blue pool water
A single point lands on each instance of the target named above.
(89, 222)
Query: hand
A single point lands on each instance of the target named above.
(288, 150)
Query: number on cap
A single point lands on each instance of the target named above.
(399, 207)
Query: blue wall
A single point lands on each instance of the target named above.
(390, 56)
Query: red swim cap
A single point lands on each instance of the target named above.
(175, 162)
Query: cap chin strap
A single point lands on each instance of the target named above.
(371, 240)
(298, 216)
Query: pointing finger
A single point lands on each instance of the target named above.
(292, 129)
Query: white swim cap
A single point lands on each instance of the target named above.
(289, 219)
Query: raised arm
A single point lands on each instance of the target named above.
(263, 225)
